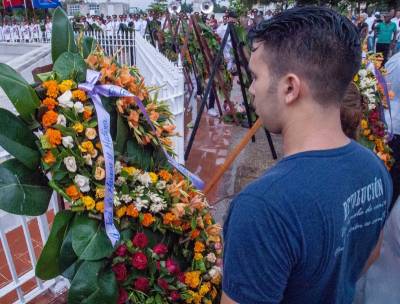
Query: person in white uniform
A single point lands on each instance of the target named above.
(25, 32)
(6, 31)
(48, 28)
(35, 31)
(221, 30)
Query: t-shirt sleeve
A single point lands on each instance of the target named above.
(260, 251)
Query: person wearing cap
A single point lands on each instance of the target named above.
(6, 31)
(137, 24)
(35, 31)
(385, 36)
(144, 25)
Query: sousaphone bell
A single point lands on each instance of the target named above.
(174, 7)
(207, 7)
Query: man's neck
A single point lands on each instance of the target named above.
(314, 132)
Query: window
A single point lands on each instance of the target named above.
(74, 9)
(95, 8)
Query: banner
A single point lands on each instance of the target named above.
(13, 3)
(45, 3)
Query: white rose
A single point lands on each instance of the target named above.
(65, 100)
(82, 182)
(91, 133)
(61, 120)
(161, 185)
(78, 106)
(68, 142)
(70, 163)
(362, 73)
(88, 159)
(145, 179)
(211, 257)
(118, 167)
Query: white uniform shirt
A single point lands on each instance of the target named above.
(144, 26)
(7, 32)
(1, 33)
(370, 21)
(25, 33)
(138, 26)
(15, 32)
(48, 27)
(35, 31)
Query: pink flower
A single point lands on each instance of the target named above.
(175, 296)
(140, 240)
(121, 250)
(139, 260)
(162, 283)
(181, 277)
(172, 266)
(122, 296)
(160, 249)
(120, 272)
(141, 284)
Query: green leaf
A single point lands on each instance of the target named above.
(23, 191)
(20, 93)
(67, 255)
(70, 66)
(48, 265)
(62, 38)
(138, 155)
(18, 140)
(89, 240)
(46, 76)
(88, 46)
(71, 271)
(92, 285)
(122, 135)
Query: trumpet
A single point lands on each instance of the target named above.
(174, 7)
(207, 7)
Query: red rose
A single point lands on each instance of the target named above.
(175, 296)
(160, 249)
(142, 284)
(139, 260)
(172, 266)
(120, 271)
(162, 283)
(181, 277)
(140, 240)
(121, 250)
(122, 296)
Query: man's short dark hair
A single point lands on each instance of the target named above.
(316, 43)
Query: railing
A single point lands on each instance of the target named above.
(21, 240)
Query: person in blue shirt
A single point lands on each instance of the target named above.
(305, 231)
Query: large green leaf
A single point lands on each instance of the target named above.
(62, 38)
(89, 240)
(23, 191)
(20, 93)
(88, 46)
(139, 155)
(70, 66)
(18, 140)
(48, 265)
(67, 254)
(93, 285)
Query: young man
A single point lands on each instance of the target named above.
(371, 41)
(386, 36)
(303, 232)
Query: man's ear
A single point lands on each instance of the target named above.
(291, 88)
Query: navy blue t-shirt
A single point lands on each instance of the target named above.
(303, 232)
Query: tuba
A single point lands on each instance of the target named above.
(207, 7)
(174, 7)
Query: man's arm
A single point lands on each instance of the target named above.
(226, 299)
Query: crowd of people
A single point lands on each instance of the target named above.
(26, 31)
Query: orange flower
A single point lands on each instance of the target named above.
(169, 128)
(91, 60)
(165, 175)
(132, 211)
(199, 247)
(87, 113)
(49, 118)
(100, 206)
(121, 212)
(72, 192)
(49, 158)
(124, 102)
(52, 88)
(194, 234)
(50, 103)
(148, 219)
(208, 219)
(168, 218)
(175, 188)
(133, 119)
(79, 95)
(53, 136)
(154, 116)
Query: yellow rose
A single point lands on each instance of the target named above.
(121, 212)
(154, 177)
(100, 192)
(364, 124)
(130, 170)
(100, 173)
(198, 256)
(78, 127)
(87, 146)
(91, 133)
(88, 202)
